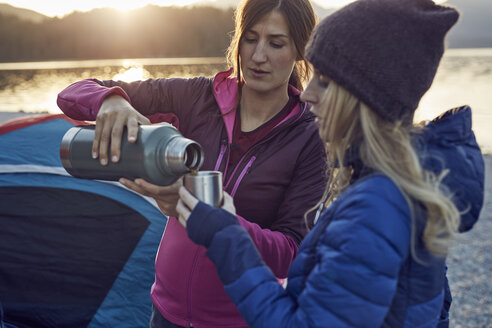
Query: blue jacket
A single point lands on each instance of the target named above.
(449, 142)
(355, 268)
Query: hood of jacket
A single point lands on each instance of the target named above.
(447, 144)
(225, 92)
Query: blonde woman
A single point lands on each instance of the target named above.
(376, 257)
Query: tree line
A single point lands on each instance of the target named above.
(151, 31)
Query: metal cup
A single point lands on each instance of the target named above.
(206, 186)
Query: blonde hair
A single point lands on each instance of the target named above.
(385, 147)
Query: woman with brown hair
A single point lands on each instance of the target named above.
(396, 193)
(252, 126)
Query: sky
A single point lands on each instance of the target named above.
(63, 7)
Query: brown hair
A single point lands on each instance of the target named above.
(300, 18)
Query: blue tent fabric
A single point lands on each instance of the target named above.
(2, 323)
(73, 252)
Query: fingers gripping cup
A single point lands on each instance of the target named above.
(206, 186)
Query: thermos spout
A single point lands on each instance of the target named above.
(182, 155)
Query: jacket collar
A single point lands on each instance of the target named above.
(226, 91)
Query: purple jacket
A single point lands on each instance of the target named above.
(273, 185)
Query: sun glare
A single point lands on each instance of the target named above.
(129, 5)
(131, 74)
(60, 8)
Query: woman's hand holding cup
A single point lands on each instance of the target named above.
(208, 187)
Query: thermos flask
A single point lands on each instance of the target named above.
(160, 155)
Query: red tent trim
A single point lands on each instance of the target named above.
(25, 121)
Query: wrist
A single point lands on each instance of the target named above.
(205, 221)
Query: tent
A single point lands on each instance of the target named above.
(73, 252)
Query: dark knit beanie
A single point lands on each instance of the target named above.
(385, 52)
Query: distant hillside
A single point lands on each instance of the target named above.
(154, 31)
(318, 10)
(147, 32)
(474, 28)
(322, 12)
(21, 13)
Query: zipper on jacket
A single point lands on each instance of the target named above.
(190, 296)
(237, 166)
(271, 135)
(250, 150)
(241, 176)
(223, 148)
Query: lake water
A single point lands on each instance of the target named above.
(464, 77)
